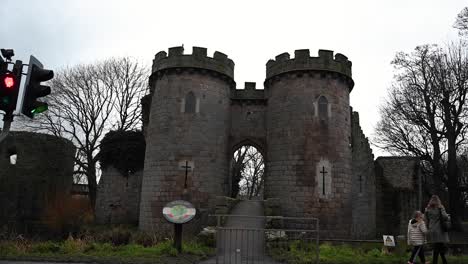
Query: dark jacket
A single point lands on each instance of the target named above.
(433, 218)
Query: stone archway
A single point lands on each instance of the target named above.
(246, 170)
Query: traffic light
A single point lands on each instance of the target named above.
(9, 87)
(34, 89)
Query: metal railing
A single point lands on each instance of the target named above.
(264, 239)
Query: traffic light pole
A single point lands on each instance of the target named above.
(7, 119)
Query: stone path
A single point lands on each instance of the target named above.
(243, 240)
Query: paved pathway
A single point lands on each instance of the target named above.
(242, 240)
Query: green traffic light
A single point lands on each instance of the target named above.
(39, 109)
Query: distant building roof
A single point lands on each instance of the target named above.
(400, 172)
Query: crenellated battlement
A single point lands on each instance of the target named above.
(249, 93)
(303, 62)
(198, 59)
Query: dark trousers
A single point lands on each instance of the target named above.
(418, 250)
(439, 249)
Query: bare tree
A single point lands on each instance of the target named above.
(461, 23)
(248, 171)
(410, 122)
(426, 114)
(237, 167)
(87, 101)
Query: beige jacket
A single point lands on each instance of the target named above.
(416, 233)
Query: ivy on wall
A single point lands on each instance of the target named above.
(124, 150)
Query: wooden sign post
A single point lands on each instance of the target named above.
(179, 212)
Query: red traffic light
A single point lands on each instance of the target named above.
(9, 81)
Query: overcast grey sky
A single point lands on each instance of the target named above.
(67, 32)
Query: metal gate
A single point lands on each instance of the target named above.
(273, 242)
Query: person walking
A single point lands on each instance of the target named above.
(417, 237)
(435, 214)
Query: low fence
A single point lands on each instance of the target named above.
(264, 239)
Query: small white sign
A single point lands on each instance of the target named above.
(389, 241)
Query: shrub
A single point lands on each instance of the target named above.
(22, 245)
(73, 246)
(67, 215)
(120, 236)
(144, 239)
(45, 247)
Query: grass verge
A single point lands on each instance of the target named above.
(299, 253)
(82, 251)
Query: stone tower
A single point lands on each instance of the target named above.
(308, 137)
(187, 132)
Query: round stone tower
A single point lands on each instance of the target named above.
(308, 137)
(187, 132)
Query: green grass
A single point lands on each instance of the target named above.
(292, 252)
(299, 253)
(79, 250)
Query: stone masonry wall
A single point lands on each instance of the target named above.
(41, 178)
(363, 187)
(118, 197)
(299, 140)
(248, 125)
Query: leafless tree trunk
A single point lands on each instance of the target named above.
(86, 102)
(248, 168)
(451, 82)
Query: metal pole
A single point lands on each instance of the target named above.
(178, 237)
(7, 119)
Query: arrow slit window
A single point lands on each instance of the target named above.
(190, 103)
(323, 108)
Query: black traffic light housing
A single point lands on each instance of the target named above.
(34, 89)
(9, 86)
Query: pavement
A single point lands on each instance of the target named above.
(242, 239)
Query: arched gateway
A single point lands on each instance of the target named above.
(195, 118)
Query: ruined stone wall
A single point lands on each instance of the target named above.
(41, 178)
(363, 186)
(118, 197)
(301, 141)
(397, 196)
(175, 135)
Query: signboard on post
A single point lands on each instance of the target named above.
(179, 212)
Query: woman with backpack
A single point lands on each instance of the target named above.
(437, 219)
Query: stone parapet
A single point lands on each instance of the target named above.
(303, 62)
(176, 58)
(249, 93)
